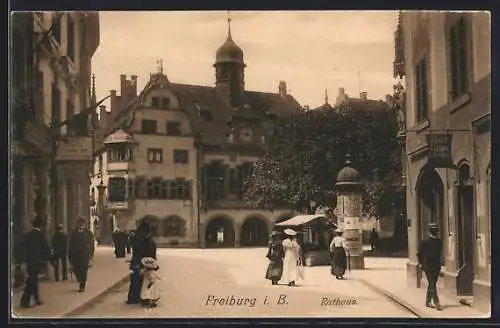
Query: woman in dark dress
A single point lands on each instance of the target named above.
(275, 255)
(143, 245)
(339, 258)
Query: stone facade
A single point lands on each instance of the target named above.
(51, 78)
(456, 198)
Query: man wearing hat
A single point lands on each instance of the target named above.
(60, 251)
(36, 255)
(80, 249)
(430, 258)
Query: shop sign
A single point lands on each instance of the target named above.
(439, 153)
(75, 149)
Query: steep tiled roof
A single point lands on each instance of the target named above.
(195, 98)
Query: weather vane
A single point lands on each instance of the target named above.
(229, 22)
(160, 66)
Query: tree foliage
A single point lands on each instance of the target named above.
(305, 153)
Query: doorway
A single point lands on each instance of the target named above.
(219, 233)
(465, 231)
(254, 233)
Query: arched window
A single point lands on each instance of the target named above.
(173, 226)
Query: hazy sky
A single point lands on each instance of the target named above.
(310, 50)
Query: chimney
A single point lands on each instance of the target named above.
(123, 83)
(103, 117)
(342, 96)
(363, 95)
(282, 89)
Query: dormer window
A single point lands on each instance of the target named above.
(155, 102)
(173, 128)
(165, 103)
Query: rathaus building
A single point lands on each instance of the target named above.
(181, 153)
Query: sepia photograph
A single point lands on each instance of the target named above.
(250, 164)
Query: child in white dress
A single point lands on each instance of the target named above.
(149, 292)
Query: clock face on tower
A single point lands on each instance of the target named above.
(246, 133)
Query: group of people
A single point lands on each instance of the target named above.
(143, 267)
(121, 242)
(285, 258)
(78, 249)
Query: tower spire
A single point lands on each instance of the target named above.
(93, 97)
(326, 96)
(228, 24)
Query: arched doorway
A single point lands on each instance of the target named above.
(465, 230)
(219, 233)
(254, 232)
(430, 201)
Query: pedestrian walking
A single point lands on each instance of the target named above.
(338, 255)
(60, 252)
(122, 243)
(79, 252)
(275, 255)
(291, 258)
(373, 239)
(116, 241)
(129, 242)
(149, 292)
(36, 255)
(430, 259)
(92, 247)
(143, 245)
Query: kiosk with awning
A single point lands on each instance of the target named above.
(314, 233)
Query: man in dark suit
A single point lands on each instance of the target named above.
(80, 249)
(430, 258)
(60, 251)
(36, 255)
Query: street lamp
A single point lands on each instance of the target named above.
(101, 188)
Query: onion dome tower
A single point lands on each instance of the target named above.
(229, 70)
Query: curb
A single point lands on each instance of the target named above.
(408, 307)
(89, 302)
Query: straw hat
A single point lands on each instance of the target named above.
(338, 230)
(149, 262)
(290, 232)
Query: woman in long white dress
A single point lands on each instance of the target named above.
(291, 259)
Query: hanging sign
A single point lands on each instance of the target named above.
(439, 154)
(75, 149)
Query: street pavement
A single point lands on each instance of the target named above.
(193, 278)
(61, 298)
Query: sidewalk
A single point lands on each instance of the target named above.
(61, 299)
(388, 276)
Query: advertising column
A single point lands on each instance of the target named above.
(348, 187)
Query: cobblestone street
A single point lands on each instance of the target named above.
(191, 276)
